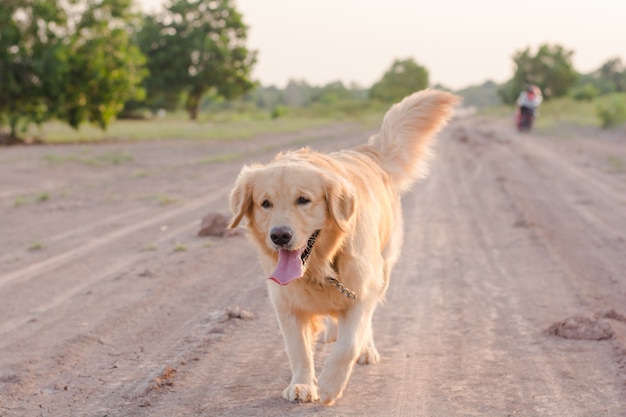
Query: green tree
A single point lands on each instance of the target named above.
(609, 78)
(508, 92)
(484, 95)
(403, 78)
(67, 59)
(333, 92)
(613, 72)
(30, 52)
(298, 93)
(265, 97)
(194, 47)
(104, 66)
(163, 85)
(551, 69)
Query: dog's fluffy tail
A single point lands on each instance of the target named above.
(408, 130)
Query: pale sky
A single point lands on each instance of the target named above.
(460, 42)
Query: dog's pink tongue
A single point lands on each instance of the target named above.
(289, 267)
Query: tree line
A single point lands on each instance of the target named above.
(91, 60)
(550, 67)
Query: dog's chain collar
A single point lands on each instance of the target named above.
(309, 247)
(331, 280)
(341, 288)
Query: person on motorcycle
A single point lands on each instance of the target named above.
(528, 102)
(530, 98)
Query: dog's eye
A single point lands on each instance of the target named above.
(302, 201)
(266, 204)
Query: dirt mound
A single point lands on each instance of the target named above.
(165, 378)
(216, 224)
(582, 328)
(231, 313)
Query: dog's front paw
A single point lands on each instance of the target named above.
(369, 355)
(330, 388)
(301, 393)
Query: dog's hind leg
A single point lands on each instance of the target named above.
(369, 353)
(391, 251)
(330, 335)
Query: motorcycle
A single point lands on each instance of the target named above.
(525, 116)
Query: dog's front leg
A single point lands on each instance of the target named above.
(299, 332)
(352, 331)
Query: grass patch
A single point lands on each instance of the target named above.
(566, 110)
(113, 158)
(19, 201)
(140, 174)
(216, 124)
(180, 247)
(174, 127)
(42, 197)
(30, 199)
(36, 246)
(108, 158)
(164, 199)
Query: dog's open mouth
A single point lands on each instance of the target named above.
(291, 262)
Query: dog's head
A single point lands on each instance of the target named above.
(288, 206)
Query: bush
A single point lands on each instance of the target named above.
(611, 110)
(279, 111)
(566, 110)
(585, 92)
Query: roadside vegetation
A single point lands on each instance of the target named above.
(606, 112)
(171, 127)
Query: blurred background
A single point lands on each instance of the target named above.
(73, 70)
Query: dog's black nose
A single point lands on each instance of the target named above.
(281, 235)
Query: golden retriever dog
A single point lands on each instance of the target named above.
(328, 229)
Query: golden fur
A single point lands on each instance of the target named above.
(353, 198)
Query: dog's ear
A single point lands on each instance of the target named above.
(241, 197)
(341, 200)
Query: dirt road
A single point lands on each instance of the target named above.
(510, 297)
